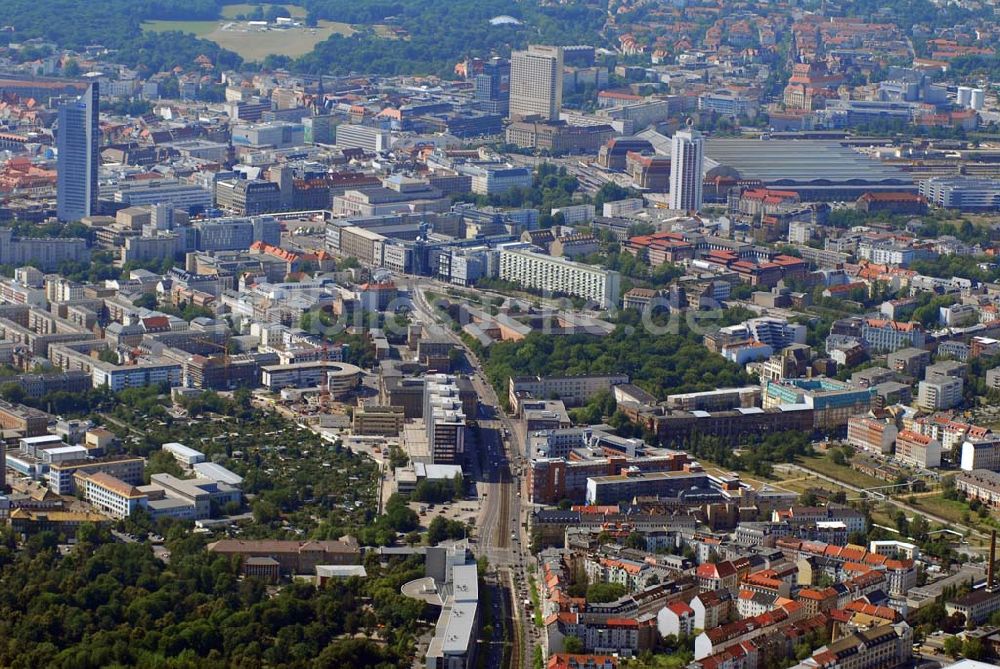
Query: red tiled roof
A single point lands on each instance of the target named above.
(156, 322)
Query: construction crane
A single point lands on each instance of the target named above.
(224, 346)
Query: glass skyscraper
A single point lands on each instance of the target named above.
(78, 144)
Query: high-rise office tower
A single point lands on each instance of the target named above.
(493, 86)
(687, 155)
(536, 82)
(78, 145)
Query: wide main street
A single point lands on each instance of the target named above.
(502, 525)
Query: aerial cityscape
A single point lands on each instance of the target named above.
(537, 334)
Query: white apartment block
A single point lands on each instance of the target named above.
(558, 275)
(886, 254)
(993, 378)
(576, 214)
(500, 179)
(12, 292)
(119, 378)
(444, 419)
(800, 232)
(572, 390)
(58, 289)
(632, 205)
(112, 496)
(940, 394)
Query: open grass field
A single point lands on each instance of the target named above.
(255, 44)
(946, 508)
(824, 465)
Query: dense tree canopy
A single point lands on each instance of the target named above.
(435, 34)
(907, 13)
(438, 34)
(118, 24)
(674, 362)
(112, 604)
(551, 187)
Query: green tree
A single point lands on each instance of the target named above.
(71, 68)
(442, 529)
(145, 301)
(973, 649)
(636, 540)
(598, 593)
(12, 392)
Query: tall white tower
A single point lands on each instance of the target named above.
(687, 155)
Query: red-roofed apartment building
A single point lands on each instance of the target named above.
(600, 634)
(714, 640)
(676, 618)
(581, 661)
(722, 574)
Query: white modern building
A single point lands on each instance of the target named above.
(492, 179)
(184, 454)
(576, 214)
(453, 645)
(776, 332)
(960, 192)
(112, 496)
(119, 378)
(939, 394)
(444, 419)
(558, 275)
(166, 191)
(886, 253)
(624, 207)
(687, 157)
(366, 138)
